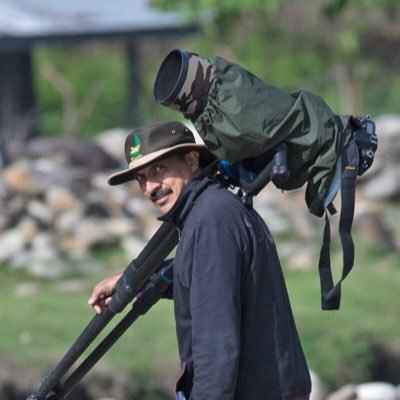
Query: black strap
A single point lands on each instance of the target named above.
(330, 293)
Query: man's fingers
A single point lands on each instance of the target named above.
(98, 309)
(97, 294)
(102, 292)
(93, 299)
(100, 305)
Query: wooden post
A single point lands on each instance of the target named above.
(17, 99)
(134, 85)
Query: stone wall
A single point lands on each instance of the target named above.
(55, 203)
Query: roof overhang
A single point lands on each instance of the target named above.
(25, 23)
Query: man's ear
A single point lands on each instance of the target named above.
(192, 160)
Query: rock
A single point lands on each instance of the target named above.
(25, 289)
(12, 210)
(18, 177)
(382, 180)
(347, 392)
(6, 192)
(28, 228)
(303, 223)
(95, 206)
(385, 365)
(318, 391)
(112, 142)
(388, 125)
(49, 269)
(98, 181)
(43, 247)
(41, 258)
(388, 131)
(120, 227)
(139, 208)
(277, 222)
(385, 185)
(376, 391)
(71, 286)
(44, 147)
(107, 398)
(92, 156)
(40, 212)
(132, 246)
(47, 173)
(87, 233)
(60, 199)
(303, 258)
(11, 242)
(67, 222)
(3, 222)
(369, 223)
(37, 263)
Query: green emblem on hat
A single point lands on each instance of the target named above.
(135, 149)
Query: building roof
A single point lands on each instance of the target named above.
(26, 22)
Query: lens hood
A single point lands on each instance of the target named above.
(171, 76)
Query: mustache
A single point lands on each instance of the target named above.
(158, 194)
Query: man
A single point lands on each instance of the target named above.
(236, 334)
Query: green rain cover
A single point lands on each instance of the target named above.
(245, 117)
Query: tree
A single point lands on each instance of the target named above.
(332, 47)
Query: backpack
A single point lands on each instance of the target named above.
(260, 134)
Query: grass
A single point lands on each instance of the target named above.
(37, 329)
(338, 343)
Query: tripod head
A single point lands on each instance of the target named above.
(250, 176)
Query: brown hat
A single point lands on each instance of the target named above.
(148, 144)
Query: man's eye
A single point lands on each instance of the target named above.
(158, 169)
(139, 178)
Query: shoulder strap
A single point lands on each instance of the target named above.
(330, 293)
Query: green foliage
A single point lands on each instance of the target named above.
(325, 48)
(304, 45)
(223, 7)
(335, 7)
(97, 70)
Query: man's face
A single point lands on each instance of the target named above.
(163, 181)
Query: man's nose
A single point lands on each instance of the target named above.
(151, 186)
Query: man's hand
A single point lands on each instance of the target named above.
(102, 292)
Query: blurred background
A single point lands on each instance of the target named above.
(76, 76)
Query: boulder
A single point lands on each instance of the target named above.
(346, 392)
(376, 391)
(11, 242)
(318, 391)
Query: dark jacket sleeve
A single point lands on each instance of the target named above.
(215, 310)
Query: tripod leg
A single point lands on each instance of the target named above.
(150, 296)
(134, 278)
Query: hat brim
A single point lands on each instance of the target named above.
(128, 174)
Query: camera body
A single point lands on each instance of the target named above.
(367, 141)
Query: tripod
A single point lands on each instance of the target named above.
(134, 282)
